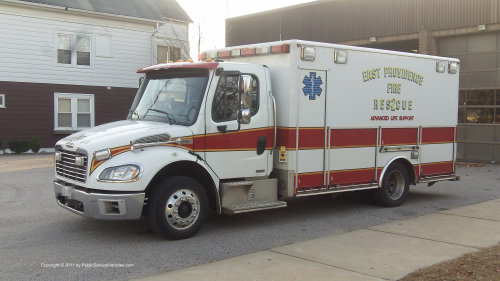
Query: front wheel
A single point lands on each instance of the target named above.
(395, 186)
(178, 207)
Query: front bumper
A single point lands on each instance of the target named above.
(98, 205)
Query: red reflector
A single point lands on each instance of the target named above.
(248, 52)
(284, 48)
(202, 57)
(224, 54)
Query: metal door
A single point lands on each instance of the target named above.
(238, 153)
(311, 129)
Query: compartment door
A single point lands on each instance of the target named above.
(311, 99)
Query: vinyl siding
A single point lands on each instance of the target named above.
(29, 53)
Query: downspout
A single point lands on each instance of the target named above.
(155, 59)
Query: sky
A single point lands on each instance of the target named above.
(211, 16)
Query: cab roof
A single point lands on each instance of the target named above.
(207, 65)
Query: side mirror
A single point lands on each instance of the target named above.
(245, 90)
(245, 116)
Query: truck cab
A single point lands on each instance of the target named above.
(196, 133)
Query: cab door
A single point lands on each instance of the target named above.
(236, 150)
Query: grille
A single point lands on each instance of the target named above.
(67, 167)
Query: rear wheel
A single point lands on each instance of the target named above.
(395, 186)
(178, 208)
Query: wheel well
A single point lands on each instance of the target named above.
(191, 170)
(409, 167)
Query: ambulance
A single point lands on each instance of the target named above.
(246, 127)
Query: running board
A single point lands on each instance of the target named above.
(335, 190)
(432, 180)
(254, 206)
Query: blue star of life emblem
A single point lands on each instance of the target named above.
(312, 86)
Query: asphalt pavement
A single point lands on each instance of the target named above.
(314, 238)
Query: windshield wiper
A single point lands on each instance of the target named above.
(157, 110)
(161, 111)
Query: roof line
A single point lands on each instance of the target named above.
(312, 3)
(19, 2)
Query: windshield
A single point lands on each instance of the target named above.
(173, 96)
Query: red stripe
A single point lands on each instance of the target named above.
(310, 180)
(286, 137)
(438, 135)
(199, 143)
(432, 169)
(241, 140)
(311, 138)
(314, 137)
(399, 136)
(308, 138)
(352, 177)
(353, 137)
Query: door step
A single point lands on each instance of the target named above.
(254, 206)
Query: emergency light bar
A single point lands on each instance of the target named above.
(265, 50)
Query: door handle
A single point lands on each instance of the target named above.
(222, 128)
(261, 144)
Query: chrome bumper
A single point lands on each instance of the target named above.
(99, 206)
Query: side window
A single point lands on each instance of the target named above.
(255, 96)
(225, 105)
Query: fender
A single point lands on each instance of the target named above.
(409, 166)
(184, 163)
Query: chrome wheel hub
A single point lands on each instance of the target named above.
(182, 209)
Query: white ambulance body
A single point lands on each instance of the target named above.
(263, 122)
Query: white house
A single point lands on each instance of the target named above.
(68, 65)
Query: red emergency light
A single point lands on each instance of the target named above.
(247, 52)
(265, 50)
(224, 54)
(283, 48)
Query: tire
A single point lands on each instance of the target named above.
(395, 187)
(178, 208)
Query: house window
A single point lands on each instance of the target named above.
(167, 53)
(161, 54)
(73, 49)
(175, 53)
(73, 111)
(2, 101)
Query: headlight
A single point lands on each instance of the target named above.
(130, 172)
